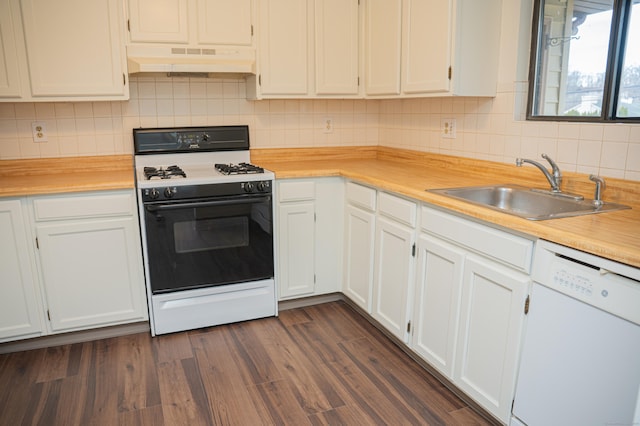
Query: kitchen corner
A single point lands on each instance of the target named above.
(613, 235)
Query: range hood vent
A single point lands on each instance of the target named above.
(181, 60)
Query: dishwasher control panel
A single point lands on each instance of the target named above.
(609, 286)
(573, 283)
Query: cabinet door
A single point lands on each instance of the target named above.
(224, 22)
(19, 307)
(283, 47)
(336, 47)
(329, 209)
(158, 21)
(437, 304)
(492, 316)
(359, 255)
(92, 273)
(75, 48)
(393, 276)
(296, 248)
(9, 69)
(383, 20)
(426, 45)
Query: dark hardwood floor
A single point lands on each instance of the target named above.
(318, 365)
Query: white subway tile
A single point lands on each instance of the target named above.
(589, 153)
(25, 111)
(614, 155)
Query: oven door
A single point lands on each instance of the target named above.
(208, 242)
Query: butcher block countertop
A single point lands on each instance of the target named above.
(614, 235)
(68, 174)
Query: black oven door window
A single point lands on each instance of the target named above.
(209, 242)
(211, 234)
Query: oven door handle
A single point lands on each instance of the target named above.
(214, 203)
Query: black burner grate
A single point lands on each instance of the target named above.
(238, 169)
(169, 172)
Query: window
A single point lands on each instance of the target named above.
(585, 61)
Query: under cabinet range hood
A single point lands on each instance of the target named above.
(181, 60)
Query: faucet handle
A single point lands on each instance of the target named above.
(554, 166)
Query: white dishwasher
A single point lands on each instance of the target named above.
(580, 362)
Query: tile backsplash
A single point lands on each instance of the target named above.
(486, 128)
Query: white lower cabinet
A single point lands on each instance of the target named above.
(309, 236)
(91, 272)
(469, 310)
(437, 302)
(393, 276)
(359, 243)
(394, 263)
(87, 254)
(296, 248)
(491, 323)
(19, 307)
(90, 259)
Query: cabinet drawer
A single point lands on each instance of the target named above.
(296, 191)
(508, 248)
(83, 206)
(397, 208)
(361, 196)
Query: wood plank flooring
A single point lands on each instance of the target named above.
(318, 365)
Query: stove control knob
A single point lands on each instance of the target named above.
(153, 193)
(248, 187)
(170, 192)
(262, 186)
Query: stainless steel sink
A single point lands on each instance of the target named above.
(527, 203)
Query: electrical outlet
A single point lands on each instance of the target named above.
(328, 125)
(39, 129)
(448, 128)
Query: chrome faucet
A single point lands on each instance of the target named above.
(600, 185)
(555, 180)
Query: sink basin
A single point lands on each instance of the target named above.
(527, 203)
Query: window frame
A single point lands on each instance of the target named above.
(613, 69)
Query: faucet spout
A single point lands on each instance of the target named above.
(554, 180)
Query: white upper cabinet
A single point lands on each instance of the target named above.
(426, 46)
(75, 49)
(193, 36)
(158, 21)
(10, 82)
(192, 22)
(336, 47)
(284, 47)
(225, 22)
(431, 47)
(308, 48)
(382, 47)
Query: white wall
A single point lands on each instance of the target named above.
(492, 129)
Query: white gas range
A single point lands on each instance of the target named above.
(206, 219)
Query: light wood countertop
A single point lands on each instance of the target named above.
(614, 235)
(69, 174)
